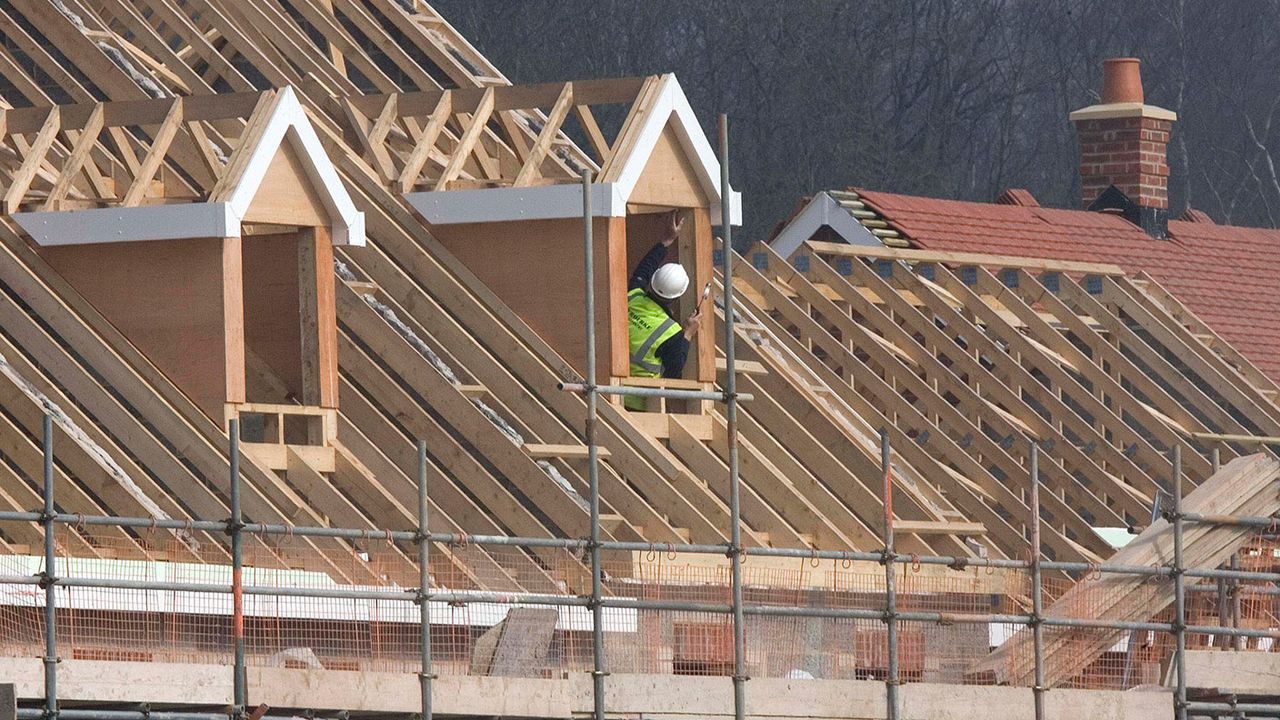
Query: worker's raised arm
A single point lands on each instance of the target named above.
(655, 257)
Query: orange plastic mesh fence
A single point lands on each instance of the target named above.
(543, 641)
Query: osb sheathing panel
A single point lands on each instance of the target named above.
(536, 268)
(167, 298)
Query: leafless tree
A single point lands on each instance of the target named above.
(953, 98)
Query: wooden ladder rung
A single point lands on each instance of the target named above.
(563, 452)
(938, 527)
(747, 367)
(611, 522)
(473, 391)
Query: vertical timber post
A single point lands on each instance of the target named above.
(1179, 589)
(593, 453)
(891, 680)
(731, 424)
(235, 528)
(425, 675)
(1037, 591)
(50, 579)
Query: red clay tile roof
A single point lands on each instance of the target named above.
(1227, 275)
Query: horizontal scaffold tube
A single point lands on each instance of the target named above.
(574, 543)
(624, 603)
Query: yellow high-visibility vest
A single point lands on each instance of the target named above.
(648, 326)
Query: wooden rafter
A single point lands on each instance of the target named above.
(155, 154)
(79, 155)
(467, 142)
(849, 341)
(550, 129)
(426, 143)
(21, 179)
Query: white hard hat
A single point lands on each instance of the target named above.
(670, 281)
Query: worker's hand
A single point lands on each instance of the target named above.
(673, 232)
(692, 324)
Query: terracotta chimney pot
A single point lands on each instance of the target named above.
(1121, 81)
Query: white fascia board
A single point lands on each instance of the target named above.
(130, 224)
(735, 210)
(289, 123)
(822, 211)
(544, 202)
(672, 104)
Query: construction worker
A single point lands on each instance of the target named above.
(659, 345)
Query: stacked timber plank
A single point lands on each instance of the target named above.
(1248, 485)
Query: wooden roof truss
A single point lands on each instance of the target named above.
(970, 361)
(436, 140)
(964, 368)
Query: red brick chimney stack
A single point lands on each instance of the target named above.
(1123, 141)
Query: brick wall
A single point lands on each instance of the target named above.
(1128, 152)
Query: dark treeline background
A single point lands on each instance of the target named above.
(949, 98)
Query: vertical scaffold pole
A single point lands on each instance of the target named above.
(1037, 590)
(50, 579)
(891, 680)
(593, 453)
(235, 528)
(1179, 588)
(1224, 611)
(425, 676)
(731, 425)
(1237, 641)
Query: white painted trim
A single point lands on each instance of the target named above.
(673, 106)
(288, 123)
(549, 202)
(544, 202)
(821, 211)
(131, 224)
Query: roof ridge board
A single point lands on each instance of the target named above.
(948, 257)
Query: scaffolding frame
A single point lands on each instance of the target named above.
(236, 529)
